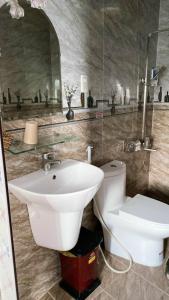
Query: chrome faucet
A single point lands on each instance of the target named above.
(48, 159)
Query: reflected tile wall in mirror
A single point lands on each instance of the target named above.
(29, 63)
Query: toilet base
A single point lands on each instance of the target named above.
(143, 249)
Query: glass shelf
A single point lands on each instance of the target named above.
(19, 147)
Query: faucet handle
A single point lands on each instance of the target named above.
(89, 147)
(49, 155)
(89, 153)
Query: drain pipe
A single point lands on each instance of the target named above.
(143, 133)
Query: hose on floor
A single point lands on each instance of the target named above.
(118, 241)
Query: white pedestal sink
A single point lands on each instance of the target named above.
(56, 200)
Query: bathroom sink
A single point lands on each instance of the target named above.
(56, 200)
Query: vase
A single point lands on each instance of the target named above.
(70, 113)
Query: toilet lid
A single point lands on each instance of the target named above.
(146, 208)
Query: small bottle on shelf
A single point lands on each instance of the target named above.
(40, 96)
(160, 94)
(4, 98)
(36, 99)
(90, 100)
(9, 96)
(148, 97)
(166, 98)
(82, 98)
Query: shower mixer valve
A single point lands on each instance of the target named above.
(134, 145)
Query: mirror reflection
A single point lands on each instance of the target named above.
(30, 79)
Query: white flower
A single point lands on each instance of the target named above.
(69, 90)
(38, 3)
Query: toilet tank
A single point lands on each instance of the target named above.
(112, 192)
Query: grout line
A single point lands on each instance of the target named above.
(51, 296)
(151, 283)
(52, 286)
(107, 293)
(95, 297)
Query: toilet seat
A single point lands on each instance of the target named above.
(144, 209)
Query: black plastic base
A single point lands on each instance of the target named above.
(75, 294)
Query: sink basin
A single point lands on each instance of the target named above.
(56, 200)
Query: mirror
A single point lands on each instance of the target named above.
(30, 77)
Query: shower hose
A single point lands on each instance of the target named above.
(118, 241)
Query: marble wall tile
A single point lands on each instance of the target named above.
(159, 160)
(124, 52)
(79, 25)
(115, 132)
(37, 274)
(151, 24)
(162, 49)
(120, 51)
(25, 63)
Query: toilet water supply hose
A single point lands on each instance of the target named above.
(118, 241)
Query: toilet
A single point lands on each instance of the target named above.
(140, 223)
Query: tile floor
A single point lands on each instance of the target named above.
(141, 283)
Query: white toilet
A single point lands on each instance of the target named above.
(140, 223)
